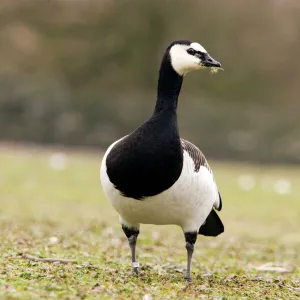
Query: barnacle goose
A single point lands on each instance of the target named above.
(152, 176)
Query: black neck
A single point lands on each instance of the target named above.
(169, 86)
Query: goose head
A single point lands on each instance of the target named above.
(187, 56)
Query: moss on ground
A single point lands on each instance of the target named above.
(53, 206)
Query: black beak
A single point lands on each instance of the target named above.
(208, 61)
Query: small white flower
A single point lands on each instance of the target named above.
(282, 187)
(246, 182)
(58, 161)
(53, 240)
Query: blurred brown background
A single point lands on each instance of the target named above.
(84, 72)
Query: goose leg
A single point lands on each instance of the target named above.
(190, 239)
(132, 234)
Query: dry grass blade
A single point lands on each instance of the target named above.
(49, 259)
(272, 267)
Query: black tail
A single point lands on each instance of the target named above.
(212, 226)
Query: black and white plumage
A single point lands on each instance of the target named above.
(152, 176)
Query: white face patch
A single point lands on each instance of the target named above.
(182, 62)
(198, 47)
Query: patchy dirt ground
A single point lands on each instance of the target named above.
(52, 206)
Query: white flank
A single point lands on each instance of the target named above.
(186, 204)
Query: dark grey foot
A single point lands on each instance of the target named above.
(135, 268)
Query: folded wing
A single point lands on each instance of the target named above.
(199, 160)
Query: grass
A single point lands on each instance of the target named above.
(48, 211)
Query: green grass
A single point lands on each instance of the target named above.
(38, 203)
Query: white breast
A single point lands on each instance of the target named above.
(187, 203)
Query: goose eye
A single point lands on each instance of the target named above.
(191, 51)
